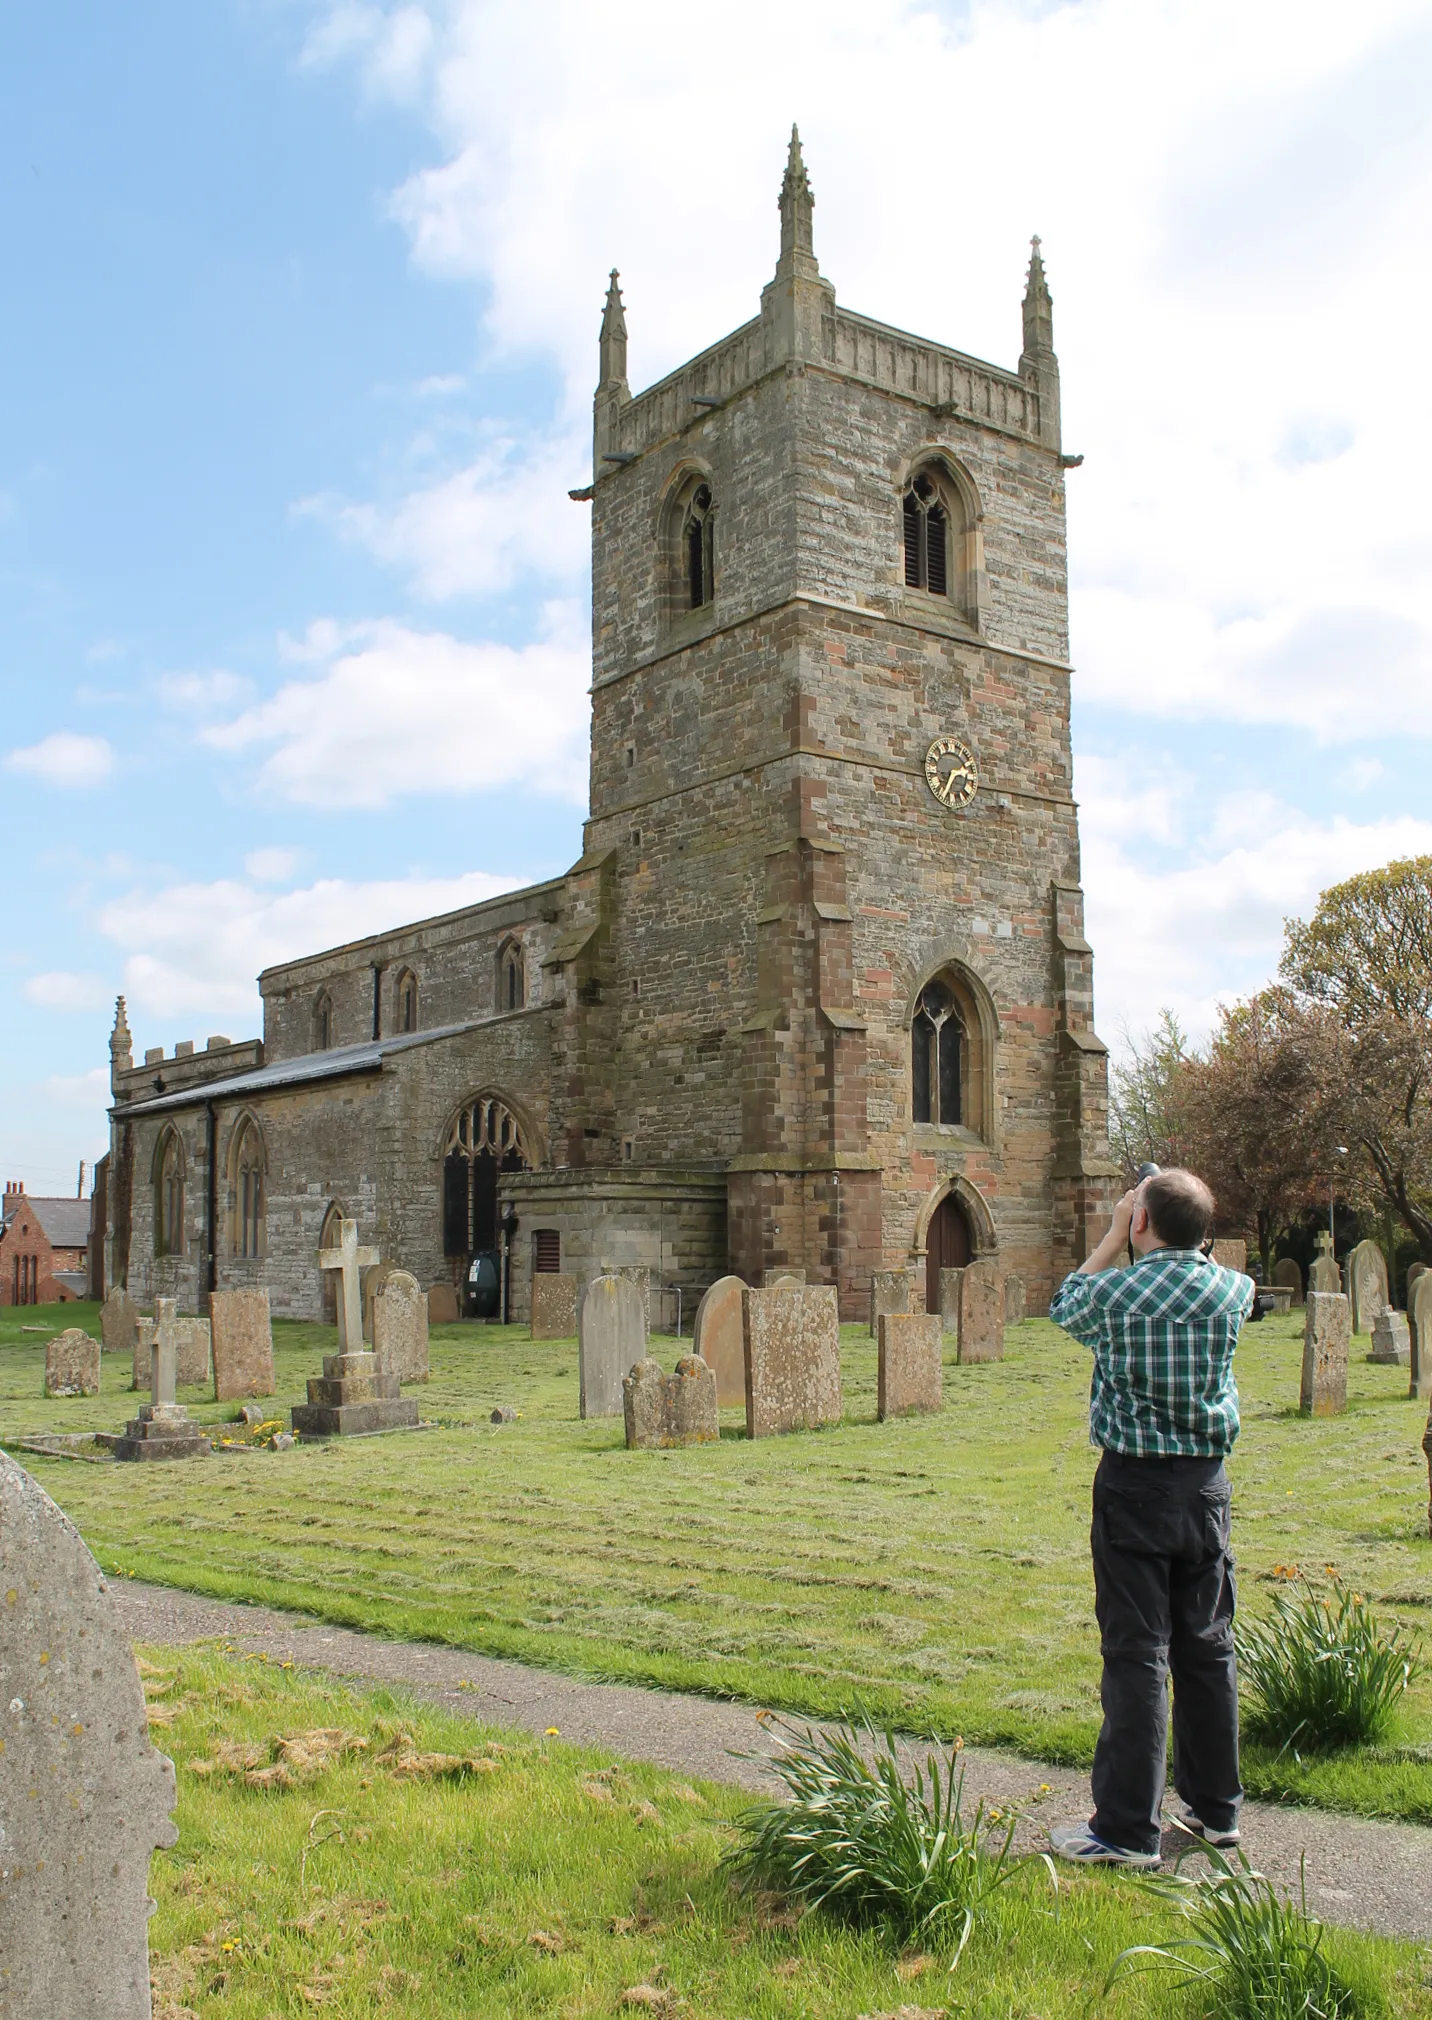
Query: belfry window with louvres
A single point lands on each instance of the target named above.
(939, 539)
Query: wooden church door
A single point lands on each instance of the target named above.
(947, 1246)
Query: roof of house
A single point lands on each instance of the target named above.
(65, 1223)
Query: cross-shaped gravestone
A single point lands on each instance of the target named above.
(162, 1370)
(350, 1259)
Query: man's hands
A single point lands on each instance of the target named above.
(1115, 1244)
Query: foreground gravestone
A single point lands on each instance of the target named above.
(442, 1305)
(144, 1335)
(1366, 1285)
(890, 1291)
(1289, 1277)
(355, 1395)
(910, 1367)
(982, 1312)
(163, 1429)
(373, 1281)
(242, 1340)
(1420, 1327)
(792, 1359)
(72, 1364)
(1391, 1339)
(719, 1338)
(638, 1274)
(400, 1327)
(190, 1338)
(1416, 1270)
(663, 1410)
(611, 1339)
(117, 1321)
(89, 1799)
(554, 1305)
(950, 1281)
(1327, 1336)
(1014, 1300)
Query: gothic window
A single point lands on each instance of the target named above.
(407, 993)
(484, 1141)
(940, 538)
(927, 537)
(937, 1047)
(247, 1180)
(323, 1021)
(698, 548)
(687, 543)
(169, 1195)
(511, 977)
(329, 1236)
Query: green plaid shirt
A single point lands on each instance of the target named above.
(1163, 1333)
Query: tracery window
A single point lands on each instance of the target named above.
(698, 548)
(407, 1001)
(248, 1192)
(927, 537)
(484, 1141)
(169, 1195)
(323, 1021)
(937, 1045)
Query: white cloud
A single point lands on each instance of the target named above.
(396, 711)
(271, 866)
(80, 1090)
(203, 693)
(195, 950)
(60, 990)
(64, 759)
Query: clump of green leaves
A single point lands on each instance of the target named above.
(1252, 1954)
(871, 1846)
(1325, 1672)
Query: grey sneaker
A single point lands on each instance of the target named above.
(1222, 1841)
(1079, 1844)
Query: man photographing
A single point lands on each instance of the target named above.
(1164, 1409)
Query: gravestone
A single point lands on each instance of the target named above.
(1366, 1285)
(442, 1305)
(1325, 1276)
(554, 1305)
(663, 1410)
(1391, 1339)
(193, 1355)
(72, 1364)
(1416, 1270)
(772, 1279)
(144, 1334)
(611, 1339)
(163, 1429)
(1232, 1254)
(792, 1359)
(890, 1291)
(1014, 1300)
(982, 1311)
(1427, 1449)
(910, 1371)
(242, 1338)
(640, 1275)
(719, 1338)
(1327, 1335)
(373, 1281)
(117, 1321)
(400, 1327)
(356, 1394)
(950, 1281)
(1289, 1277)
(1420, 1326)
(74, 1884)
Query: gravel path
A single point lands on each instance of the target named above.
(1368, 1875)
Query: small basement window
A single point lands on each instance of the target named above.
(547, 1251)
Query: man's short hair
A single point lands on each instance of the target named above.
(1180, 1208)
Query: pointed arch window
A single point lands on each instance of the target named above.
(485, 1140)
(169, 1195)
(407, 994)
(927, 537)
(937, 1049)
(511, 977)
(248, 1172)
(698, 548)
(322, 1021)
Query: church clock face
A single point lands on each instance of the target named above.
(951, 772)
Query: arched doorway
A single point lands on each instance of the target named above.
(329, 1236)
(947, 1245)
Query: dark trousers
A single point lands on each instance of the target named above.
(1164, 1595)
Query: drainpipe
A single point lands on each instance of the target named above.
(211, 1214)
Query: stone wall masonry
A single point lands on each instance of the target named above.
(910, 1370)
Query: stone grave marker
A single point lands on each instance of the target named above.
(890, 1291)
(1014, 1300)
(144, 1335)
(75, 1904)
(1415, 1270)
(193, 1354)
(910, 1374)
(1427, 1449)
(400, 1327)
(1366, 1285)
(719, 1338)
(792, 1359)
(554, 1305)
(242, 1337)
(163, 1429)
(117, 1320)
(1325, 1276)
(982, 1311)
(72, 1364)
(1289, 1277)
(640, 1275)
(950, 1281)
(611, 1339)
(1420, 1318)
(1391, 1339)
(1232, 1254)
(1327, 1335)
(663, 1410)
(373, 1281)
(772, 1279)
(442, 1305)
(355, 1395)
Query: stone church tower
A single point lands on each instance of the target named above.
(817, 993)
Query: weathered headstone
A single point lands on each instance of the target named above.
(611, 1339)
(719, 1337)
(1391, 1339)
(638, 1274)
(950, 1281)
(163, 1429)
(890, 1291)
(1014, 1300)
(242, 1338)
(89, 1798)
(1232, 1253)
(193, 1357)
(1427, 1449)
(1415, 1270)
(117, 1320)
(400, 1327)
(663, 1410)
(910, 1371)
(982, 1311)
(554, 1305)
(1367, 1285)
(1420, 1326)
(72, 1364)
(442, 1305)
(1327, 1335)
(773, 1279)
(1325, 1276)
(349, 1261)
(792, 1359)
(144, 1336)
(373, 1281)
(1289, 1277)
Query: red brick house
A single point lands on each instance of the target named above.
(44, 1248)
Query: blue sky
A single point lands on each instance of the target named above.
(299, 337)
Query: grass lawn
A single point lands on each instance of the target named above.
(550, 1881)
(934, 1571)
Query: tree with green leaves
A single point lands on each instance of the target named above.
(1141, 1096)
